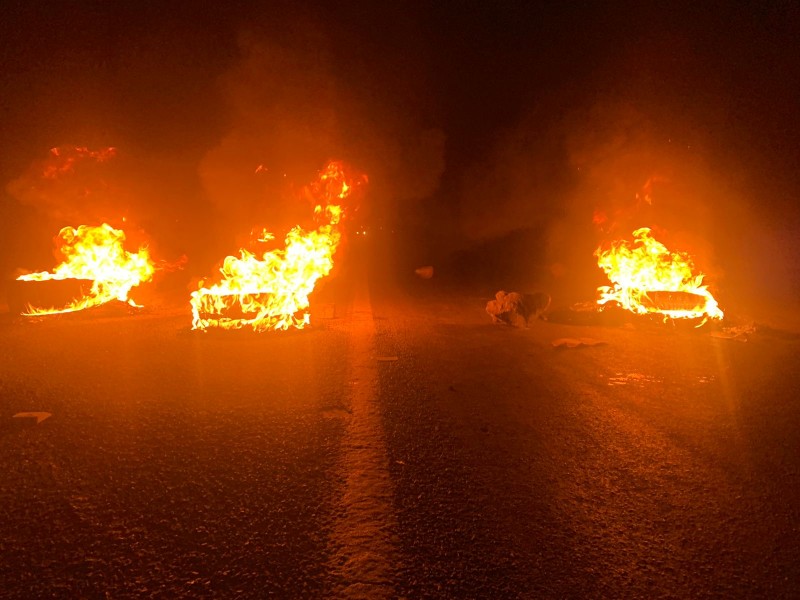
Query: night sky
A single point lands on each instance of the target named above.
(482, 127)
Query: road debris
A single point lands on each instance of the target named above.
(740, 333)
(424, 272)
(577, 342)
(39, 416)
(517, 310)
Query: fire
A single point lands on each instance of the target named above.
(96, 254)
(649, 278)
(271, 291)
(63, 160)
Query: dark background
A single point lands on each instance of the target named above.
(492, 135)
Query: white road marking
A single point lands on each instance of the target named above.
(364, 552)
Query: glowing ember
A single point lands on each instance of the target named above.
(648, 278)
(271, 292)
(97, 254)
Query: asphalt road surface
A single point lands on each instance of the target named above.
(405, 447)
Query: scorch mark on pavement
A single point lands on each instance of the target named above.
(363, 538)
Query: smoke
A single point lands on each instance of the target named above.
(645, 156)
(532, 134)
(218, 125)
(635, 169)
(76, 185)
(301, 95)
(651, 137)
(71, 185)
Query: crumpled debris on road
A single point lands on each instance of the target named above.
(517, 310)
(577, 342)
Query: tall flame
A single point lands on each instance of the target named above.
(271, 292)
(96, 254)
(649, 278)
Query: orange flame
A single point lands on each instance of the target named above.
(63, 160)
(645, 273)
(97, 254)
(271, 292)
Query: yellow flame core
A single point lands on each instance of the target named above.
(96, 254)
(645, 267)
(271, 292)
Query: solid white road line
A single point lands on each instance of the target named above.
(364, 546)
